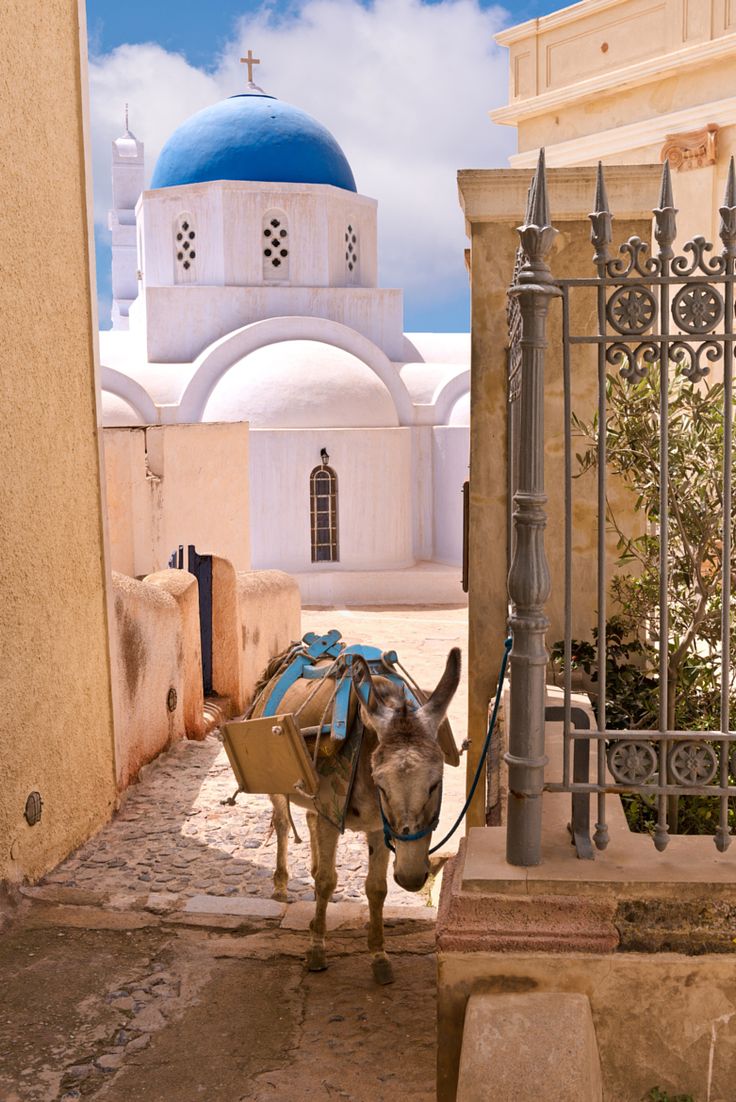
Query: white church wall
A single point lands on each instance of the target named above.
(230, 233)
(178, 323)
(374, 472)
(450, 452)
(177, 484)
(422, 493)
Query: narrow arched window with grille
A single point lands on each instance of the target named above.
(323, 508)
(185, 249)
(352, 258)
(275, 245)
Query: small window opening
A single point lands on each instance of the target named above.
(351, 254)
(323, 509)
(275, 246)
(185, 249)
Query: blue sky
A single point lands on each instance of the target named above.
(169, 58)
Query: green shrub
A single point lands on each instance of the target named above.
(695, 458)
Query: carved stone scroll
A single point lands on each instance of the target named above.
(691, 149)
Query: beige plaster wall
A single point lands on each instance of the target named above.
(494, 202)
(270, 618)
(150, 660)
(226, 673)
(184, 589)
(53, 619)
(177, 484)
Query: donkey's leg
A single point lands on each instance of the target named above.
(280, 821)
(312, 819)
(375, 889)
(325, 881)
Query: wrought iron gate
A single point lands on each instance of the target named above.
(653, 312)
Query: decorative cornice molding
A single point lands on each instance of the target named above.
(691, 149)
(555, 19)
(643, 72)
(620, 139)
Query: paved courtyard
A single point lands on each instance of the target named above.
(153, 966)
(174, 842)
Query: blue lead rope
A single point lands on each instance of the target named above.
(389, 833)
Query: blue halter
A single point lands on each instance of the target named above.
(389, 832)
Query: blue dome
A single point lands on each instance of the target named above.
(252, 137)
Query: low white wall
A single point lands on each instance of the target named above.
(374, 473)
(176, 484)
(270, 618)
(147, 665)
(450, 458)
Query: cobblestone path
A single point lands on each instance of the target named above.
(173, 840)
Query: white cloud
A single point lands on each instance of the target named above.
(405, 87)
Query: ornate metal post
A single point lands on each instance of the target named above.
(529, 582)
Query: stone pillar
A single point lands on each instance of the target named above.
(494, 201)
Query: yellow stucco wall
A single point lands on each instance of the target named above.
(56, 725)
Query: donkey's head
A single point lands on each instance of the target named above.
(407, 764)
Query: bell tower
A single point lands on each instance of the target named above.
(127, 185)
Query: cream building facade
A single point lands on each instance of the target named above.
(630, 82)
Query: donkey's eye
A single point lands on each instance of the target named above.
(434, 787)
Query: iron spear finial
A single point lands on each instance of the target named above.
(601, 233)
(665, 193)
(539, 205)
(536, 233)
(727, 231)
(665, 216)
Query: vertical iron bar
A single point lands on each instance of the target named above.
(722, 834)
(567, 413)
(665, 232)
(529, 582)
(600, 836)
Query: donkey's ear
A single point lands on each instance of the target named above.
(438, 703)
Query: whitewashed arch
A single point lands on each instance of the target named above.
(212, 364)
(131, 392)
(448, 394)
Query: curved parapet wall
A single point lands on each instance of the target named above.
(216, 360)
(148, 674)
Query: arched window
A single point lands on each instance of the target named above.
(185, 249)
(323, 509)
(351, 254)
(275, 245)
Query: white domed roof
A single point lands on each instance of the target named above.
(300, 385)
(117, 413)
(460, 414)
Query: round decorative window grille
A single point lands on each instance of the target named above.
(631, 310)
(692, 763)
(632, 762)
(697, 308)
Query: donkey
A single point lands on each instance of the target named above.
(397, 793)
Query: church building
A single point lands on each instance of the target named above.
(245, 289)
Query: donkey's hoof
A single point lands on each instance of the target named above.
(280, 895)
(382, 970)
(316, 960)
